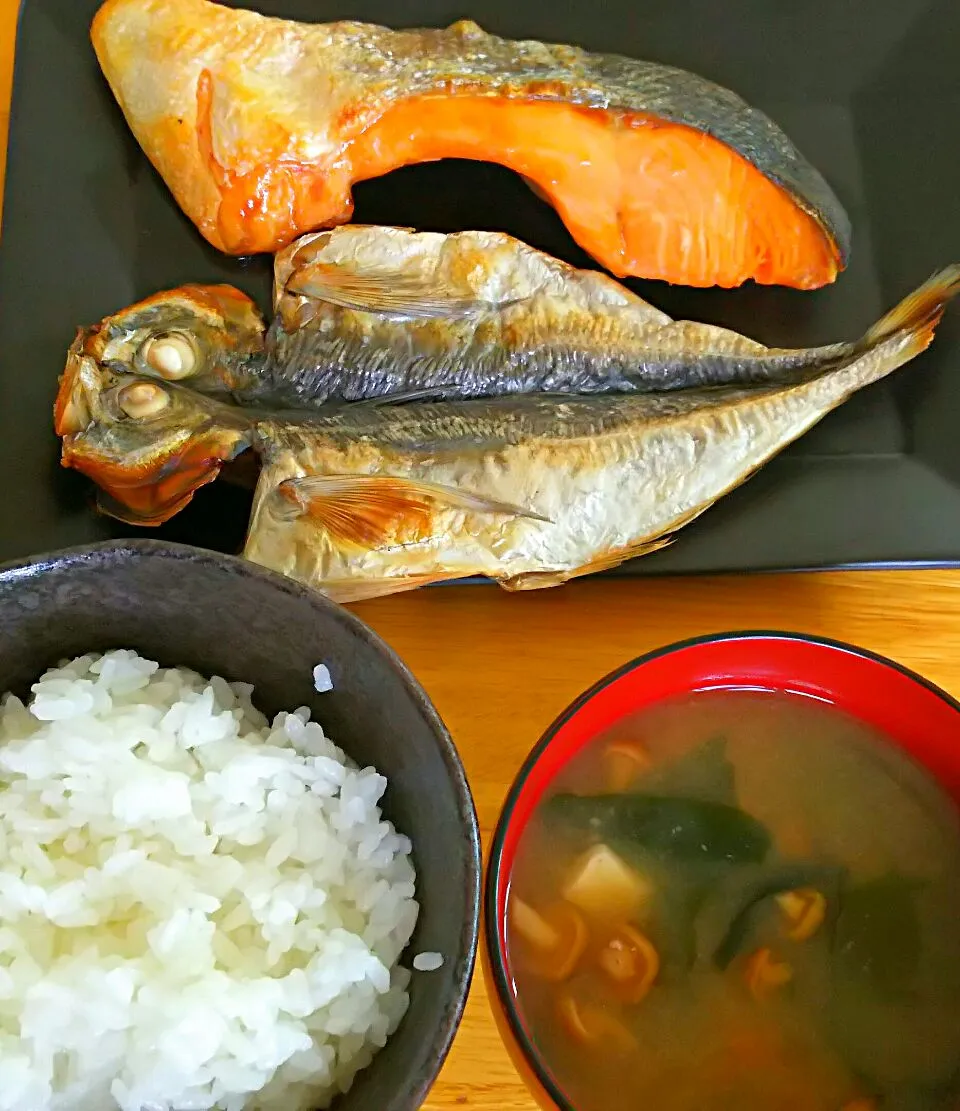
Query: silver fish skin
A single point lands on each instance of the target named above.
(361, 500)
(366, 313)
(372, 500)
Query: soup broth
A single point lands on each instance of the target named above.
(741, 901)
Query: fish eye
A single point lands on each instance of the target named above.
(143, 400)
(172, 355)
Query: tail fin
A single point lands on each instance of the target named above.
(918, 313)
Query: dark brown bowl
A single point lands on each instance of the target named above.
(222, 615)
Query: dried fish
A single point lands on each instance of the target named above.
(363, 500)
(376, 312)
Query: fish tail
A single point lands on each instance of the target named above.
(897, 337)
(918, 314)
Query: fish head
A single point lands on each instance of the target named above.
(149, 445)
(208, 336)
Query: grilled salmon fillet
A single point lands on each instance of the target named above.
(261, 126)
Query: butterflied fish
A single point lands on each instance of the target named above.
(260, 127)
(375, 312)
(531, 491)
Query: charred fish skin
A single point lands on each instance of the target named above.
(261, 126)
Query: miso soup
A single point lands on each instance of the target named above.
(740, 901)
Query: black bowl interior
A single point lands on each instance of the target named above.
(223, 616)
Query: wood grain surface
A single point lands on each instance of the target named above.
(500, 667)
(8, 27)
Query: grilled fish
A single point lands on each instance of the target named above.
(531, 491)
(261, 126)
(374, 312)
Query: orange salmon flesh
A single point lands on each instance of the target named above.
(644, 197)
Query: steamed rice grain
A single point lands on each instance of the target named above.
(198, 908)
(428, 962)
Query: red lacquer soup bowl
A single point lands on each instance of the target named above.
(915, 714)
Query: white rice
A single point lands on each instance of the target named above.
(198, 909)
(321, 679)
(428, 962)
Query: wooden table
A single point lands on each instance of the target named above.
(8, 23)
(500, 667)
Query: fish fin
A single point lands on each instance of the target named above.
(359, 590)
(919, 312)
(151, 497)
(430, 394)
(391, 294)
(434, 394)
(538, 580)
(143, 509)
(108, 506)
(366, 509)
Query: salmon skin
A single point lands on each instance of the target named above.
(362, 500)
(363, 313)
(260, 127)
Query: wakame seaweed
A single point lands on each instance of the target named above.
(705, 772)
(683, 829)
(733, 904)
(878, 933)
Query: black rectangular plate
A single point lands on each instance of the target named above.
(868, 89)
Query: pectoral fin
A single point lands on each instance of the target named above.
(393, 294)
(368, 510)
